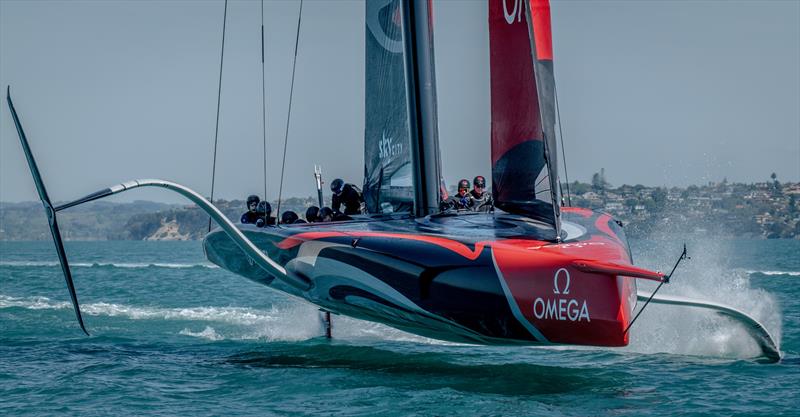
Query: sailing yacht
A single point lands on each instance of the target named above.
(531, 272)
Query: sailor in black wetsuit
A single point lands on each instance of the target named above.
(347, 194)
(482, 199)
(325, 215)
(462, 200)
(289, 217)
(264, 212)
(312, 214)
(251, 215)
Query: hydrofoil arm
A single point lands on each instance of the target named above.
(247, 246)
(259, 257)
(757, 330)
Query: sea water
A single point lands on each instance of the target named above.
(175, 335)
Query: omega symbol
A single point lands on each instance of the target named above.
(555, 282)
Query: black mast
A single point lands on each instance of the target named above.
(423, 121)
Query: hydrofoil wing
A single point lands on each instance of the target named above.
(769, 348)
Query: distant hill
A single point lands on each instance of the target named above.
(761, 210)
(98, 220)
(139, 220)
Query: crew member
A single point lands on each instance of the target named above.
(462, 200)
(482, 199)
(289, 217)
(312, 214)
(264, 212)
(325, 215)
(347, 194)
(251, 215)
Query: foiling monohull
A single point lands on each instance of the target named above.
(532, 272)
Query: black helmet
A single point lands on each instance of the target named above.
(311, 213)
(325, 212)
(463, 184)
(479, 181)
(264, 207)
(288, 217)
(252, 199)
(336, 185)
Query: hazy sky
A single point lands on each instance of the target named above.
(656, 92)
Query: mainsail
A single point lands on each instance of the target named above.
(524, 171)
(388, 169)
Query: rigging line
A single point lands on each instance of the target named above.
(219, 97)
(264, 109)
(665, 281)
(643, 307)
(289, 113)
(563, 152)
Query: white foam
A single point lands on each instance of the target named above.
(790, 273)
(293, 322)
(207, 333)
(694, 331)
(107, 264)
(233, 315)
(32, 303)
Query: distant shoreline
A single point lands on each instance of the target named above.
(765, 210)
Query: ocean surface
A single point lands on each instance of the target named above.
(174, 335)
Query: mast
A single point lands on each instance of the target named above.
(423, 120)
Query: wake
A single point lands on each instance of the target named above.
(108, 265)
(790, 273)
(293, 322)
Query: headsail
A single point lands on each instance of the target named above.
(388, 173)
(524, 170)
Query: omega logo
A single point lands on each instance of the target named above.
(558, 308)
(516, 12)
(555, 281)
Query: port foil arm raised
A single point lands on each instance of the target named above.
(259, 257)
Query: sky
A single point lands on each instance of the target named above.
(660, 93)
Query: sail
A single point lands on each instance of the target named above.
(524, 171)
(388, 173)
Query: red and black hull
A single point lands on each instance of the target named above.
(476, 278)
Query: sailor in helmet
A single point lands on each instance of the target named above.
(312, 214)
(325, 215)
(251, 215)
(482, 199)
(345, 194)
(264, 212)
(289, 217)
(462, 200)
